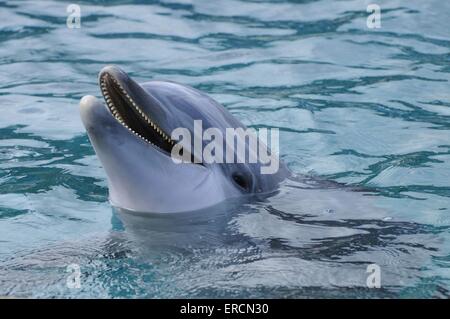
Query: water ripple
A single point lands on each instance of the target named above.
(364, 112)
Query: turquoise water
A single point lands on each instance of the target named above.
(369, 108)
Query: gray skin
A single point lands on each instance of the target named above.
(143, 177)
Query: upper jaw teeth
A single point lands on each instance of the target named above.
(117, 115)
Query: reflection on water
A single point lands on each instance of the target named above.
(366, 110)
(304, 241)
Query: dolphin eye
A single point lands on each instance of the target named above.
(241, 181)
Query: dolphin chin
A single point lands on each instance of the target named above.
(131, 134)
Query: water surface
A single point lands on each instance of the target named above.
(369, 108)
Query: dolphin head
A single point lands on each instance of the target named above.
(131, 132)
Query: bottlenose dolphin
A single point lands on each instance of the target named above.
(131, 135)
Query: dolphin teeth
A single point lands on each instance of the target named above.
(115, 112)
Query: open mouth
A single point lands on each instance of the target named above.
(130, 115)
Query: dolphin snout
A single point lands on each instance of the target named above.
(94, 113)
(114, 71)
